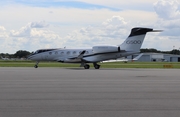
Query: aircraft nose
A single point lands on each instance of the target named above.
(30, 56)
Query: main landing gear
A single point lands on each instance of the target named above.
(86, 66)
(96, 66)
(36, 65)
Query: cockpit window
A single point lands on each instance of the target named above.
(43, 50)
(36, 52)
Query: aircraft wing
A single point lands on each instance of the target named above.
(137, 57)
(124, 60)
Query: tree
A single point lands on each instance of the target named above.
(21, 54)
(174, 51)
(150, 50)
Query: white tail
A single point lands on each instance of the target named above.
(135, 39)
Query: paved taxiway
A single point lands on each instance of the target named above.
(75, 92)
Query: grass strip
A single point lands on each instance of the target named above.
(24, 63)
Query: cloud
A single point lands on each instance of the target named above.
(111, 31)
(28, 29)
(169, 18)
(2, 28)
(23, 32)
(3, 33)
(40, 24)
(30, 37)
(168, 24)
(167, 9)
(116, 21)
(114, 27)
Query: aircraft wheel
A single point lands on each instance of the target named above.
(35, 66)
(86, 66)
(97, 66)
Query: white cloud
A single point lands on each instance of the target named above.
(167, 9)
(2, 28)
(28, 29)
(162, 43)
(115, 21)
(29, 38)
(40, 24)
(169, 23)
(73, 27)
(24, 31)
(3, 34)
(169, 18)
(169, 27)
(111, 31)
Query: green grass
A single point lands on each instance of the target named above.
(142, 65)
(19, 63)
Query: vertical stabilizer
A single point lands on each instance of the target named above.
(135, 39)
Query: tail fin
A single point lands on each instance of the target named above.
(135, 39)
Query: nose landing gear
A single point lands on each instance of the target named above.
(36, 65)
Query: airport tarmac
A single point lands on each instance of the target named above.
(76, 92)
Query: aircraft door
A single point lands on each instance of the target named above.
(45, 56)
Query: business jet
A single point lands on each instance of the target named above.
(95, 54)
(4, 58)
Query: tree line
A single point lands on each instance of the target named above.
(25, 54)
(174, 51)
(18, 54)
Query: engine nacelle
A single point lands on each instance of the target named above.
(105, 49)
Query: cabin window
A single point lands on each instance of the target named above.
(56, 52)
(74, 52)
(50, 53)
(87, 52)
(68, 52)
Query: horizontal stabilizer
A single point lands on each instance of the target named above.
(157, 31)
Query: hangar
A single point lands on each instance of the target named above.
(156, 57)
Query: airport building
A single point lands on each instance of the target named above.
(156, 57)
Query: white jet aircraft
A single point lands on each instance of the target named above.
(4, 58)
(95, 54)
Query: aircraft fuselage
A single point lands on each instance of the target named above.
(69, 55)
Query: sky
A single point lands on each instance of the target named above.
(36, 24)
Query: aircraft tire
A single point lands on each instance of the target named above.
(86, 66)
(35, 66)
(97, 66)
